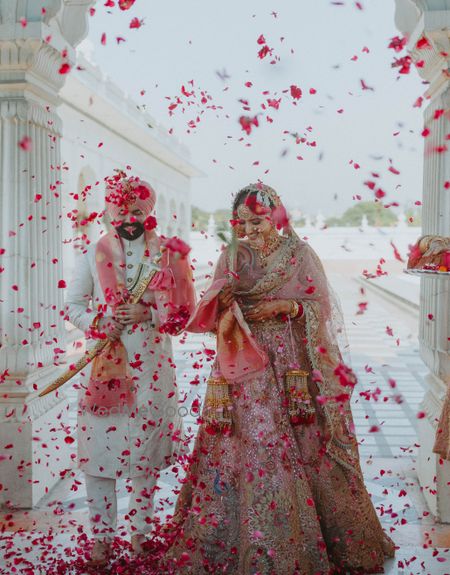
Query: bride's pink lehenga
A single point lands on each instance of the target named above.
(273, 498)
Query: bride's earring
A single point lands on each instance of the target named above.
(274, 233)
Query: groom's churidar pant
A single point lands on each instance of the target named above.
(102, 501)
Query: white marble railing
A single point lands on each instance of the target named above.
(352, 243)
(365, 246)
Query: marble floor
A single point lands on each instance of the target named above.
(383, 341)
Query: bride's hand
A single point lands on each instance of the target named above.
(269, 309)
(225, 297)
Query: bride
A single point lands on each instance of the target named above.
(274, 485)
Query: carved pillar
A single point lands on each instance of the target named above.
(426, 24)
(36, 38)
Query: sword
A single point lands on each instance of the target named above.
(146, 272)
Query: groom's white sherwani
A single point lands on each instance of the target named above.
(122, 442)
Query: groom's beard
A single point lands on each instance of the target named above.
(130, 231)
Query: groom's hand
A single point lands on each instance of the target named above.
(131, 313)
(111, 327)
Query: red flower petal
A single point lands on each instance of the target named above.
(65, 68)
(150, 223)
(25, 143)
(176, 244)
(136, 23)
(126, 4)
(296, 92)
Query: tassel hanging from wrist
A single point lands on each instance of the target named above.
(300, 404)
(217, 413)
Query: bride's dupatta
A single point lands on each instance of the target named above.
(297, 274)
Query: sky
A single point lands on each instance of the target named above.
(355, 117)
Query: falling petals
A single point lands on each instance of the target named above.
(126, 4)
(396, 252)
(177, 245)
(136, 23)
(247, 123)
(65, 68)
(423, 43)
(25, 144)
(296, 92)
(397, 44)
(150, 223)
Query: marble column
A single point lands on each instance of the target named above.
(426, 25)
(37, 38)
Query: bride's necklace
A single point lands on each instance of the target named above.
(268, 249)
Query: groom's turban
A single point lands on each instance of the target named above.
(123, 191)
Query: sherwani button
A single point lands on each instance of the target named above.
(130, 331)
(129, 266)
(129, 253)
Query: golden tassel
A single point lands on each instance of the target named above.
(300, 404)
(218, 406)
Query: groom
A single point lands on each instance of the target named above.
(128, 420)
